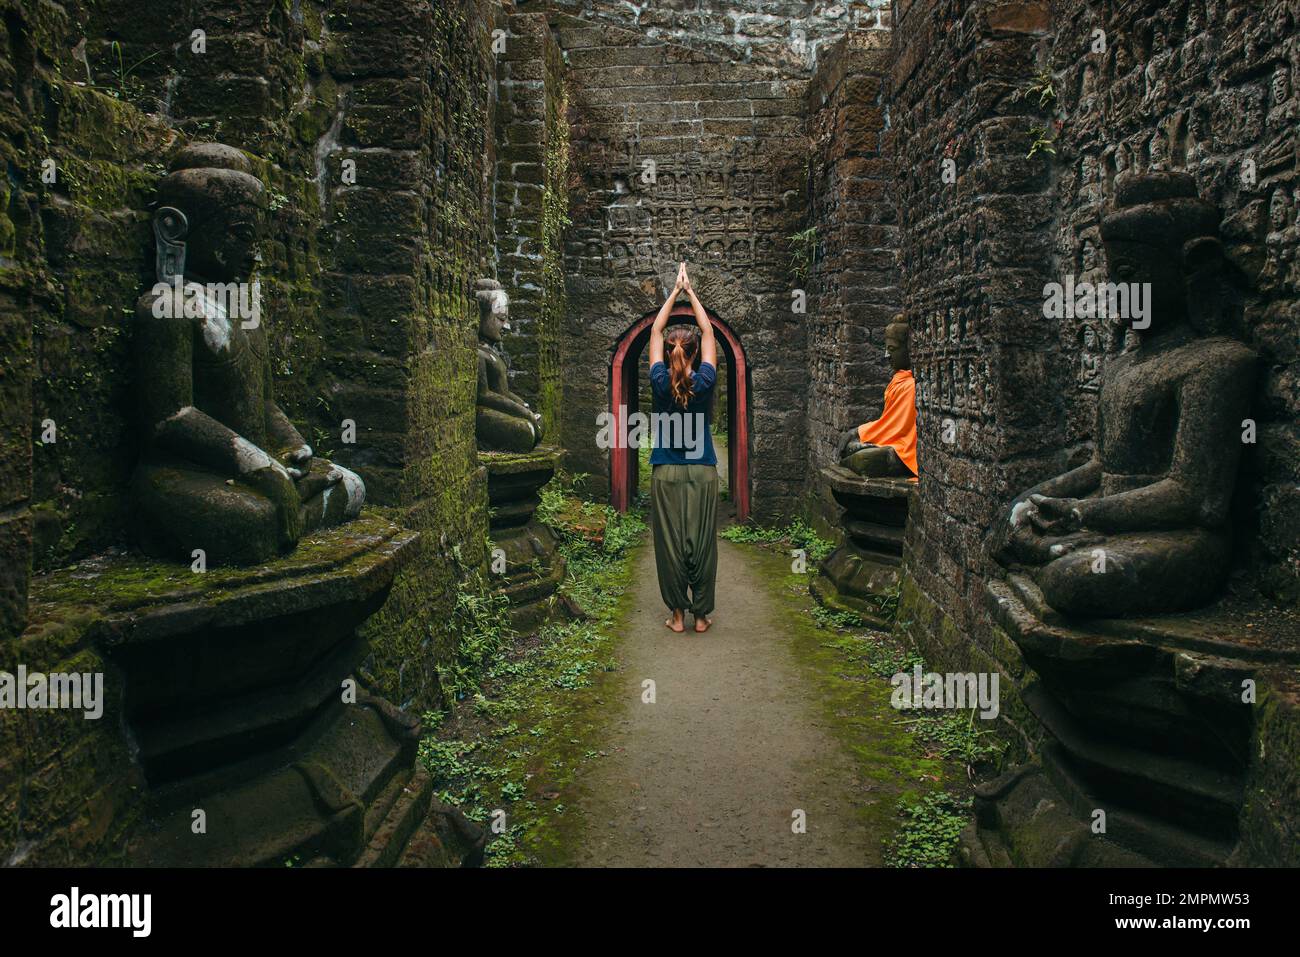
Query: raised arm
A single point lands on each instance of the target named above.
(708, 345)
(661, 320)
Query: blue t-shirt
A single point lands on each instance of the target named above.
(682, 436)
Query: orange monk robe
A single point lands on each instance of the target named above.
(896, 426)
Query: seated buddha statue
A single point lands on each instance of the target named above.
(223, 469)
(1143, 526)
(503, 421)
(886, 448)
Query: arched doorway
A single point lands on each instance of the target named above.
(624, 399)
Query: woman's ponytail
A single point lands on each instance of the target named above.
(682, 345)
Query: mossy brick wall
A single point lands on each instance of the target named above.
(73, 242)
(532, 198)
(854, 277)
(412, 242)
(20, 265)
(83, 162)
(730, 155)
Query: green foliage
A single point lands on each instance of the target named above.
(1040, 142)
(956, 736)
(928, 835)
(480, 620)
(798, 534)
(887, 603)
(122, 74)
(1041, 86)
(803, 253)
(835, 620)
(1042, 89)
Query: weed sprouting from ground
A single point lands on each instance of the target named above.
(931, 826)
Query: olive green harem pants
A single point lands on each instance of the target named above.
(684, 517)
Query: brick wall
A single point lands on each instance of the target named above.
(854, 282)
(366, 293)
(973, 257)
(790, 34)
(532, 180)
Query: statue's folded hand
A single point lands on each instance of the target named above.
(274, 482)
(1054, 516)
(297, 462)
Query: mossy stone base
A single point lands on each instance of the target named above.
(1147, 722)
(238, 697)
(533, 567)
(863, 572)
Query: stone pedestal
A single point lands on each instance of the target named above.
(1146, 723)
(533, 569)
(863, 572)
(235, 698)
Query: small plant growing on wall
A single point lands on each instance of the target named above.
(1039, 142)
(803, 253)
(1041, 92)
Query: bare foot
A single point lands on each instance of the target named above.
(677, 622)
(702, 623)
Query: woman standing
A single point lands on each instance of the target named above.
(684, 476)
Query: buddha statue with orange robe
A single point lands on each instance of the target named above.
(886, 448)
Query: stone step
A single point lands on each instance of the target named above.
(1202, 798)
(393, 819)
(173, 746)
(1141, 834)
(872, 535)
(312, 804)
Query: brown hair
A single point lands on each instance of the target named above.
(681, 343)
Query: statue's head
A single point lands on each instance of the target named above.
(223, 202)
(1279, 208)
(896, 343)
(493, 310)
(1159, 232)
(1281, 85)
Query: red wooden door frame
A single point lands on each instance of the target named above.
(620, 398)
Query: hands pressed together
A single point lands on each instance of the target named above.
(683, 283)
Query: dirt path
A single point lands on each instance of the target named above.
(736, 740)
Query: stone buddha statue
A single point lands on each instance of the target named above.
(886, 448)
(503, 421)
(1143, 526)
(223, 468)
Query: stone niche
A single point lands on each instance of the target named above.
(862, 574)
(238, 701)
(533, 566)
(1148, 724)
